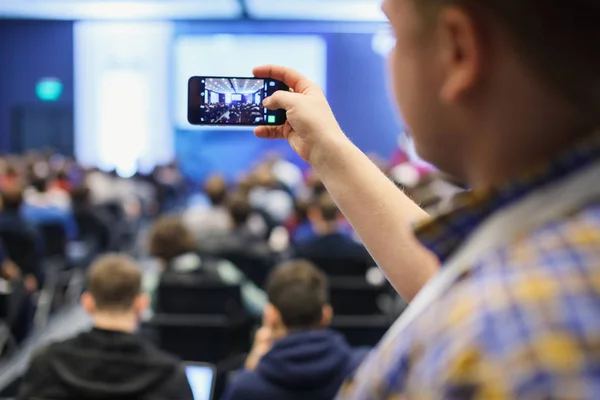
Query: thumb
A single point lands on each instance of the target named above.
(282, 100)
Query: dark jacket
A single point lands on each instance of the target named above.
(104, 365)
(336, 254)
(309, 365)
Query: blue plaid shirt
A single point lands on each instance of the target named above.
(523, 323)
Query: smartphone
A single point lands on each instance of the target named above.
(217, 100)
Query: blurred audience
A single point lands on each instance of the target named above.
(45, 206)
(295, 355)
(110, 361)
(178, 252)
(206, 220)
(332, 247)
(24, 245)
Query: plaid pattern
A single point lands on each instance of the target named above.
(523, 323)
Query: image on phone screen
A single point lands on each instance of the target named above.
(232, 101)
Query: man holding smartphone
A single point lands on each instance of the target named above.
(505, 289)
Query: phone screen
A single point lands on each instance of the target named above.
(232, 101)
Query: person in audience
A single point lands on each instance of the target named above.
(178, 252)
(45, 195)
(244, 245)
(299, 225)
(204, 221)
(48, 206)
(110, 361)
(93, 225)
(24, 245)
(504, 95)
(294, 354)
(332, 245)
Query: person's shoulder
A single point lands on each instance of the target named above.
(568, 244)
(246, 385)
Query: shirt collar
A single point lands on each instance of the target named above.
(443, 234)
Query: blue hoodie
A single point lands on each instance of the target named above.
(309, 365)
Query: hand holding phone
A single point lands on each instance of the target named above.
(233, 101)
(311, 127)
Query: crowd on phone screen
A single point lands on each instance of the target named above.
(233, 113)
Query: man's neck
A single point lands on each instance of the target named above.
(118, 322)
(505, 165)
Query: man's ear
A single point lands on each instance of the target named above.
(327, 316)
(464, 50)
(88, 303)
(141, 303)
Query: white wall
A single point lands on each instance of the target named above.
(122, 93)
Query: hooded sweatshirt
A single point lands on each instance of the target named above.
(309, 365)
(104, 364)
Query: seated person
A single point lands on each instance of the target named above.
(175, 247)
(244, 245)
(110, 361)
(294, 355)
(332, 245)
(22, 241)
(47, 206)
(204, 220)
(92, 223)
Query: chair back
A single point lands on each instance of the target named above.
(192, 294)
(206, 338)
(55, 239)
(356, 296)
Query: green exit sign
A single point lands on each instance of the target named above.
(49, 89)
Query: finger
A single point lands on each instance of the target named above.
(269, 132)
(282, 100)
(296, 81)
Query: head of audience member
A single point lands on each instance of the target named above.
(81, 197)
(315, 184)
(114, 295)
(324, 215)
(216, 190)
(298, 296)
(170, 238)
(12, 199)
(39, 184)
(483, 78)
(239, 209)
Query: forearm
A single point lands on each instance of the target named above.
(381, 214)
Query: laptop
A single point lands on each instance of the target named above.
(201, 377)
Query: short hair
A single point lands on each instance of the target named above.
(12, 198)
(169, 238)
(239, 208)
(80, 195)
(299, 291)
(114, 281)
(216, 189)
(327, 207)
(39, 184)
(559, 42)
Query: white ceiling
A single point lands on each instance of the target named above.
(326, 10)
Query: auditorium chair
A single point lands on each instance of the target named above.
(361, 330)
(189, 294)
(356, 296)
(339, 266)
(207, 338)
